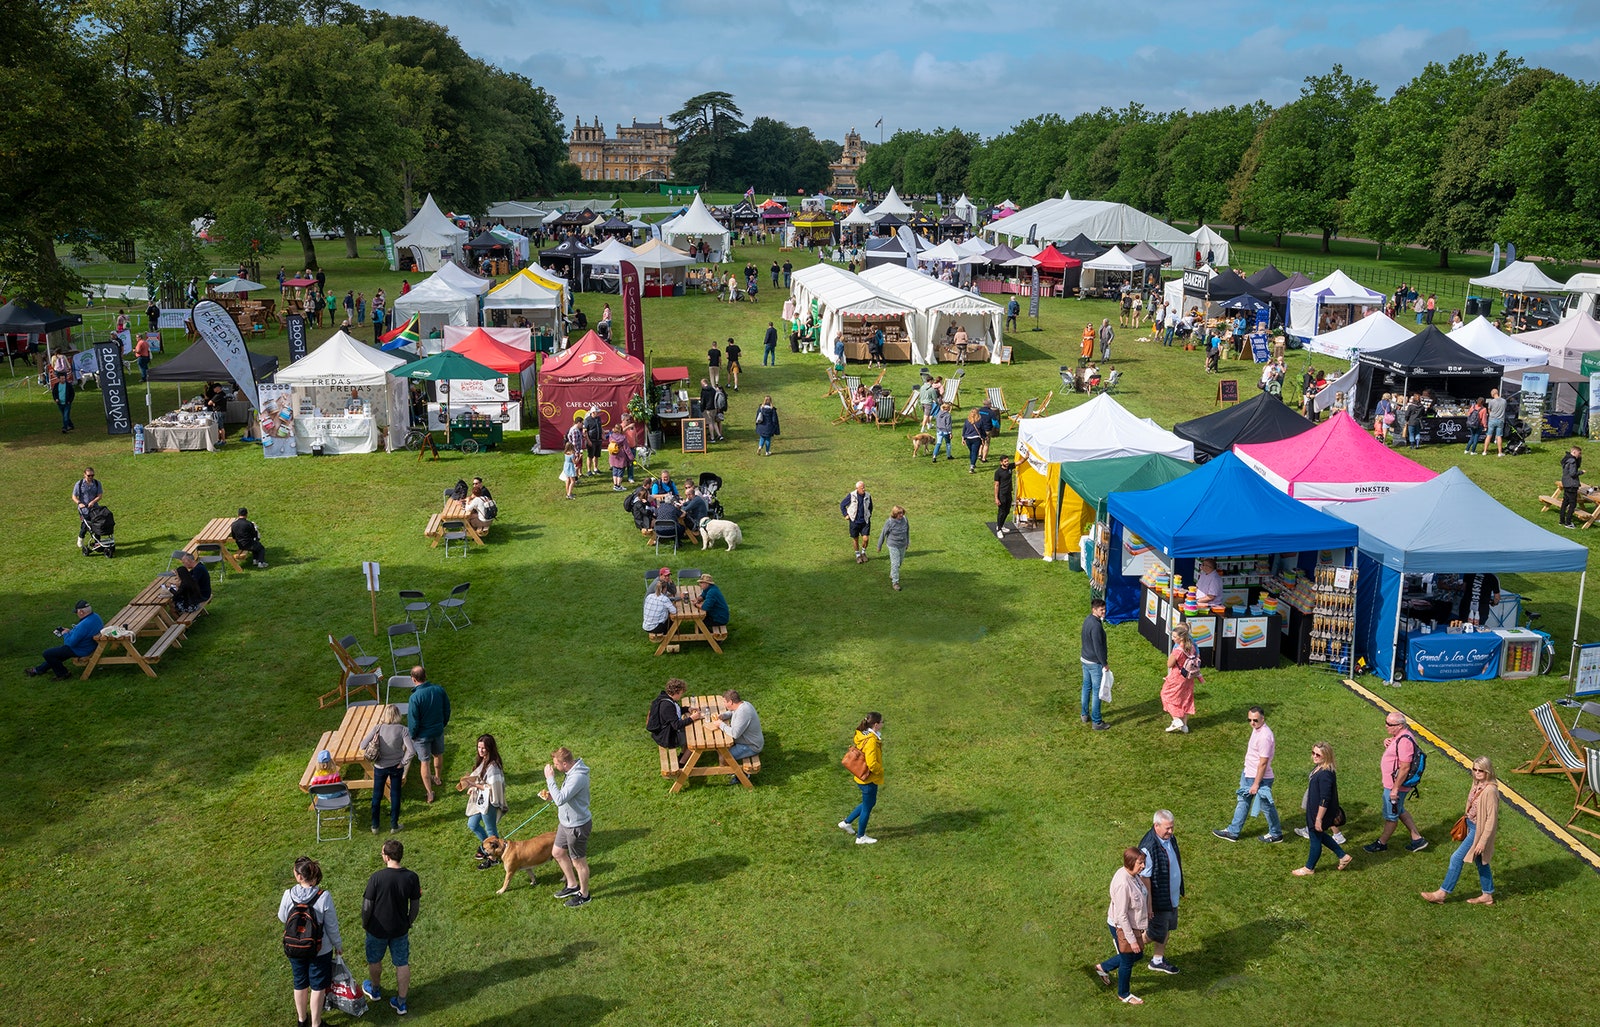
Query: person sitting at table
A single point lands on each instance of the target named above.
(664, 577)
(1208, 583)
(193, 589)
(667, 718)
(327, 773)
(1091, 376)
(247, 538)
(639, 507)
(479, 507)
(76, 641)
(664, 486)
(667, 513)
(694, 510)
(741, 721)
(659, 606)
(713, 603)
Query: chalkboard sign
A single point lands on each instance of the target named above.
(694, 435)
(1227, 391)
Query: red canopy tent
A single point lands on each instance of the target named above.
(1054, 261)
(491, 352)
(589, 374)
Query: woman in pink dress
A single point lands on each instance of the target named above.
(1183, 673)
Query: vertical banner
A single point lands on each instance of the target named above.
(113, 388)
(277, 420)
(632, 325)
(1594, 405)
(1033, 298)
(1531, 403)
(908, 240)
(215, 325)
(388, 250)
(296, 324)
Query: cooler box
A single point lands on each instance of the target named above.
(1519, 653)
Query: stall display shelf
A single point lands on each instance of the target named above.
(1333, 617)
(1519, 655)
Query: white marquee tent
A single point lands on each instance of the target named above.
(1380, 331)
(1307, 303)
(328, 373)
(1481, 337)
(891, 204)
(1519, 276)
(840, 294)
(965, 209)
(514, 214)
(430, 237)
(457, 277)
(1208, 240)
(938, 305)
(857, 218)
(695, 224)
(1100, 220)
(436, 302)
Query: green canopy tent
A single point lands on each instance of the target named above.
(1086, 484)
(446, 366)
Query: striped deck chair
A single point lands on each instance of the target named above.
(1588, 800)
(1555, 756)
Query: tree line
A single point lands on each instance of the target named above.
(716, 149)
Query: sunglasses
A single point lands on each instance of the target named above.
(1254, 720)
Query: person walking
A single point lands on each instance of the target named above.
(1013, 308)
(63, 381)
(86, 493)
(1480, 822)
(944, 429)
(769, 341)
(1128, 917)
(310, 924)
(1477, 424)
(1323, 812)
(1571, 470)
(1255, 782)
(897, 535)
(1093, 658)
(427, 715)
(395, 752)
(869, 739)
(1495, 428)
(856, 507)
(766, 426)
(972, 435)
(714, 364)
(1396, 767)
(388, 909)
(1003, 477)
(1163, 868)
(574, 822)
(486, 796)
(1107, 333)
(141, 351)
(1183, 673)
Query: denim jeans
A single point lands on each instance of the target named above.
(55, 661)
(739, 751)
(1090, 707)
(769, 355)
(1473, 438)
(1318, 840)
(972, 454)
(896, 554)
(943, 439)
(764, 443)
(1458, 861)
(484, 824)
(1414, 433)
(863, 810)
(1242, 809)
(391, 776)
(1122, 963)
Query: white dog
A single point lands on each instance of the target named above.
(720, 531)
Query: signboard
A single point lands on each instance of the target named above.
(460, 401)
(1260, 345)
(1588, 668)
(277, 420)
(296, 325)
(1195, 281)
(1033, 296)
(1445, 657)
(1594, 405)
(113, 388)
(1137, 555)
(173, 317)
(1228, 391)
(1203, 631)
(694, 435)
(217, 328)
(1151, 605)
(1250, 632)
(633, 326)
(1531, 402)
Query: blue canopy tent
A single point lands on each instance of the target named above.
(1223, 508)
(1444, 526)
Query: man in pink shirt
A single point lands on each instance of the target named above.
(1398, 762)
(1255, 783)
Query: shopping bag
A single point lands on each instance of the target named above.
(1105, 685)
(343, 993)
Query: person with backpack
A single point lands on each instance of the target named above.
(310, 939)
(667, 720)
(1401, 767)
(593, 439)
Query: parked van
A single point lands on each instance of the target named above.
(1584, 300)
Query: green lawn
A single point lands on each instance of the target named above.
(152, 823)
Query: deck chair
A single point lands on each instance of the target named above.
(1555, 756)
(848, 411)
(997, 398)
(952, 392)
(852, 384)
(886, 414)
(879, 380)
(1027, 410)
(1039, 410)
(835, 383)
(1588, 800)
(347, 669)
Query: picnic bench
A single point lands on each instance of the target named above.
(345, 745)
(217, 532)
(1588, 504)
(700, 738)
(688, 624)
(124, 631)
(454, 510)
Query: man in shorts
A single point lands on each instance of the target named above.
(571, 797)
(427, 717)
(856, 507)
(731, 352)
(1398, 761)
(1164, 868)
(388, 909)
(1496, 429)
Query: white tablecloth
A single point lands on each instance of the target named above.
(202, 435)
(350, 433)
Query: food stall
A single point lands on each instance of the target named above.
(1430, 362)
(1288, 587)
(328, 419)
(199, 363)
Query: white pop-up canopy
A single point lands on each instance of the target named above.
(1380, 331)
(328, 373)
(457, 277)
(1566, 341)
(657, 255)
(1481, 337)
(1519, 276)
(1338, 290)
(857, 218)
(1100, 220)
(838, 294)
(1207, 240)
(697, 223)
(939, 305)
(891, 204)
(436, 302)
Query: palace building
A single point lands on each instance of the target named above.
(642, 151)
(844, 171)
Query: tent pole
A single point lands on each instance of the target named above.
(1394, 646)
(1577, 619)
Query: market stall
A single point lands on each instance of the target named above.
(323, 382)
(199, 363)
(589, 374)
(1261, 418)
(428, 240)
(499, 399)
(1329, 303)
(435, 302)
(1480, 336)
(1288, 589)
(1373, 332)
(694, 226)
(939, 306)
(483, 417)
(1098, 430)
(663, 268)
(848, 305)
(1087, 484)
(534, 294)
(1052, 263)
(1414, 546)
(1106, 274)
(1428, 362)
(1567, 342)
(1336, 462)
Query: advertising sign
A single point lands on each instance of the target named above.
(1531, 402)
(277, 420)
(113, 388)
(217, 328)
(296, 324)
(633, 326)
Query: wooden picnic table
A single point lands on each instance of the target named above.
(217, 532)
(700, 738)
(454, 510)
(689, 622)
(1587, 511)
(345, 745)
(126, 628)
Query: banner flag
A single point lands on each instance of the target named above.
(277, 420)
(113, 388)
(1033, 298)
(296, 325)
(216, 326)
(408, 334)
(633, 325)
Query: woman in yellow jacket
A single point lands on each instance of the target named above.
(1483, 816)
(869, 739)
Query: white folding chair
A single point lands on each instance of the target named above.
(331, 802)
(456, 603)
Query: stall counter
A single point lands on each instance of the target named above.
(345, 433)
(1452, 656)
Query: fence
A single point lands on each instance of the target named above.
(1450, 290)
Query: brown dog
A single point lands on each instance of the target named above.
(521, 855)
(918, 440)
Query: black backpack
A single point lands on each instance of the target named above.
(460, 491)
(302, 931)
(491, 510)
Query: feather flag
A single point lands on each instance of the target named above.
(408, 334)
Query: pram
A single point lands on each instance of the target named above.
(1516, 437)
(710, 485)
(100, 526)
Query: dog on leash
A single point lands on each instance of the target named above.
(520, 855)
(919, 439)
(712, 531)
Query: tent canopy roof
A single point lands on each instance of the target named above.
(1449, 524)
(1052, 259)
(570, 249)
(434, 295)
(1113, 259)
(528, 289)
(926, 292)
(1262, 418)
(1481, 337)
(430, 228)
(1519, 276)
(341, 362)
(453, 275)
(1337, 450)
(491, 352)
(1225, 509)
(25, 317)
(696, 221)
(1268, 275)
(1082, 247)
(657, 255)
(591, 358)
(1288, 285)
(1225, 285)
(891, 204)
(1341, 288)
(1431, 352)
(845, 293)
(1095, 480)
(1143, 251)
(1362, 335)
(1566, 341)
(1096, 430)
(1098, 219)
(199, 363)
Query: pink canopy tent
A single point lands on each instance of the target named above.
(1338, 461)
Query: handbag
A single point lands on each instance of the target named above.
(1106, 678)
(369, 750)
(1388, 418)
(855, 761)
(1458, 831)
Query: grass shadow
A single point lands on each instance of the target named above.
(1531, 877)
(779, 765)
(700, 871)
(1226, 954)
(937, 823)
(466, 982)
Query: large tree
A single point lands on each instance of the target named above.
(1023, 164)
(706, 125)
(1550, 158)
(1200, 156)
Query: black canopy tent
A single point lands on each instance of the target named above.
(568, 259)
(1263, 418)
(1268, 275)
(24, 317)
(1428, 360)
(615, 227)
(1149, 255)
(1082, 247)
(199, 363)
(488, 244)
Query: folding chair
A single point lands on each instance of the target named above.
(1027, 410)
(177, 554)
(455, 531)
(1583, 734)
(689, 574)
(358, 656)
(411, 652)
(1588, 800)
(415, 603)
(210, 554)
(456, 603)
(1110, 384)
(361, 683)
(1555, 756)
(664, 531)
(997, 398)
(400, 681)
(852, 384)
(332, 802)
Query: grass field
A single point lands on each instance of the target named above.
(152, 823)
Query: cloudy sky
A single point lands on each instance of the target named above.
(925, 64)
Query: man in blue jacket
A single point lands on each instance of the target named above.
(77, 640)
(427, 716)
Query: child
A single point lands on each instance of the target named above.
(327, 773)
(569, 467)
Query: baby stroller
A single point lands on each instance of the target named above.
(710, 485)
(100, 526)
(1516, 437)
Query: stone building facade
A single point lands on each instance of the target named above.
(844, 170)
(642, 151)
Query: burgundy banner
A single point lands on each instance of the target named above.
(631, 289)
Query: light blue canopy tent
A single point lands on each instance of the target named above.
(1445, 526)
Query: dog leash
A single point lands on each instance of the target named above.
(520, 826)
